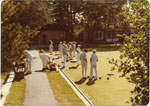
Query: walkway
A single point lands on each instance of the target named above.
(38, 91)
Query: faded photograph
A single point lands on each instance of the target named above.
(75, 52)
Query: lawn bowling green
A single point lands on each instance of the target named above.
(108, 89)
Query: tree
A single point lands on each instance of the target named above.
(134, 58)
(21, 21)
(100, 15)
(65, 15)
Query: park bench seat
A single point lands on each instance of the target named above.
(19, 70)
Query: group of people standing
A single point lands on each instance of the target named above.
(68, 51)
(93, 63)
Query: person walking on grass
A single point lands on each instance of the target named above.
(74, 48)
(60, 47)
(51, 48)
(65, 50)
(70, 50)
(78, 54)
(93, 61)
(83, 59)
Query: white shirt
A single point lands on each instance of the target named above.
(94, 58)
(79, 50)
(74, 46)
(44, 58)
(65, 50)
(29, 55)
(60, 47)
(35, 54)
(70, 47)
(51, 46)
(83, 57)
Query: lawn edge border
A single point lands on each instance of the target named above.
(80, 94)
(6, 87)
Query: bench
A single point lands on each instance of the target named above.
(19, 70)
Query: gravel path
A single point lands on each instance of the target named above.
(38, 91)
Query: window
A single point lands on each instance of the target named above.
(98, 35)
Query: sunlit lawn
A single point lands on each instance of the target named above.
(63, 92)
(115, 91)
(16, 94)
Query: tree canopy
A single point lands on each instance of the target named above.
(21, 21)
(134, 60)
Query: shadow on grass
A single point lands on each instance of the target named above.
(80, 81)
(56, 58)
(74, 67)
(91, 82)
(17, 79)
(104, 49)
(40, 70)
(56, 54)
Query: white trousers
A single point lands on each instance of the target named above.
(50, 50)
(78, 59)
(30, 66)
(93, 66)
(84, 69)
(74, 51)
(60, 53)
(65, 59)
(44, 62)
(70, 54)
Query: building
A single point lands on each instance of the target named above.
(49, 32)
(103, 32)
(57, 34)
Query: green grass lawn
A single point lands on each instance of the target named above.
(115, 91)
(63, 92)
(16, 94)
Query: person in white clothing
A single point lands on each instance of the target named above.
(60, 47)
(74, 48)
(65, 50)
(45, 58)
(93, 61)
(83, 59)
(30, 58)
(50, 41)
(70, 50)
(51, 48)
(78, 54)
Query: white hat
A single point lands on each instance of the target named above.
(94, 50)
